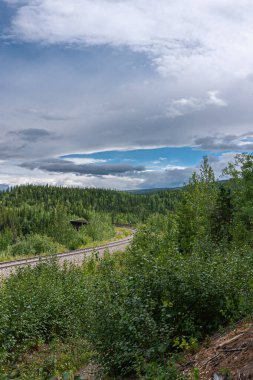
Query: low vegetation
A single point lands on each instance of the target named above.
(186, 274)
(51, 236)
(35, 220)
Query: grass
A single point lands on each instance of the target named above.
(57, 361)
(120, 233)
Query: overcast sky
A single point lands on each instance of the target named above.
(123, 93)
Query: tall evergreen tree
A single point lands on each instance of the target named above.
(222, 216)
(241, 184)
(194, 211)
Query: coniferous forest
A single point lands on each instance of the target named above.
(187, 274)
(36, 219)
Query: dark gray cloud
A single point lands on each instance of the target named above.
(64, 166)
(22, 143)
(47, 115)
(32, 134)
(242, 142)
(52, 117)
(10, 150)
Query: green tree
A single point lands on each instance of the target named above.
(195, 209)
(222, 216)
(241, 183)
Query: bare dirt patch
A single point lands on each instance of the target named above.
(90, 372)
(226, 357)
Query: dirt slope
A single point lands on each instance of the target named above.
(226, 357)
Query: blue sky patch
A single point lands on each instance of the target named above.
(161, 157)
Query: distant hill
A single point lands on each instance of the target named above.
(153, 191)
(162, 189)
(3, 187)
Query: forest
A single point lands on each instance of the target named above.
(187, 274)
(36, 219)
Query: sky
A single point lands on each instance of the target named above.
(123, 94)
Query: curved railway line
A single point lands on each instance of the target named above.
(75, 257)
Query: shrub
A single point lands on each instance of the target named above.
(34, 245)
(100, 227)
(136, 307)
(39, 304)
(147, 302)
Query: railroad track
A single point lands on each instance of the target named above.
(77, 256)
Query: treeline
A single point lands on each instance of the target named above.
(123, 207)
(31, 216)
(31, 230)
(27, 229)
(214, 214)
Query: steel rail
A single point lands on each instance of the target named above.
(39, 259)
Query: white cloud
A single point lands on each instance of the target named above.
(94, 107)
(214, 98)
(218, 142)
(219, 163)
(171, 176)
(84, 161)
(176, 167)
(20, 176)
(190, 36)
(184, 106)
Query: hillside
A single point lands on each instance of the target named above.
(122, 206)
(228, 356)
(153, 190)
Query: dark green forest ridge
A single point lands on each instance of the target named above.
(188, 273)
(36, 219)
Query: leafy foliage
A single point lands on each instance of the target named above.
(35, 245)
(46, 211)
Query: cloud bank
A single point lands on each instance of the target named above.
(194, 34)
(100, 75)
(65, 166)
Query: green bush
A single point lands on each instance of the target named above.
(35, 245)
(100, 227)
(6, 239)
(160, 371)
(39, 304)
(142, 306)
(134, 308)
